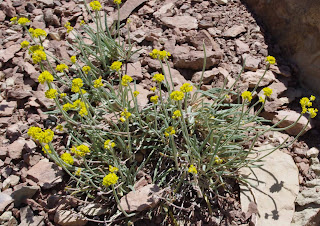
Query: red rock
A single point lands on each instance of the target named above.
(234, 31)
(8, 9)
(134, 70)
(9, 52)
(181, 22)
(7, 108)
(15, 149)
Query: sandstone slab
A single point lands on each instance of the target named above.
(181, 22)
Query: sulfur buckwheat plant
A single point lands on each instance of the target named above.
(186, 139)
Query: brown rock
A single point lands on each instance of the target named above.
(69, 218)
(15, 149)
(253, 77)
(234, 31)
(8, 8)
(201, 37)
(2, 16)
(208, 76)
(7, 108)
(9, 52)
(127, 9)
(134, 70)
(241, 47)
(20, 92)
(251, 63)
(181, 22)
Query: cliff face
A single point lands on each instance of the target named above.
(295, 25)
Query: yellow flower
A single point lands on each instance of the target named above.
(86, 69)
(46, 136)
(305, 102)
(61, 67)
(68, 26)
(83, 109)
(153, 89)
(73, 59)
(82, 23)
(80, 150)
(122, 119)
(98, 83)
(126, 79)
(14, 19)
(77, 83)
(46, 149)
(116, 66)
(261, 99)
(38, 56)
(113, 169)
(218, 160)
(34, 132)
(34, 48)
(45, 77)
(110, 179)
(158, 78)
(177, 95)
(78, 172)
(136, 93)
(51, 93)
(118, 2)
(312, 98)
(108, 144)
(186, 87)
(192, 169)
(157, 54)
(271, 59)
(169, 131)
(23, 21)
(24, 44)
(176, 114)
(59, 127)
(313, 112)
(95, 5)
(125, 114)
(267, 91)
(128, 21)
(247, 95)
(62, 95)
(154, 99)
(37, 32)
(67, 158)
(67, 106)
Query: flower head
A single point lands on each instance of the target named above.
(34, 132)
(77, 83)
(136, 93)
(59, 127)
(86, 69)
(82, 22)
(78, 172)
(45, 77)
(186, 87)
(176, 114)
(262, 100)
(34, 48)
(192, 169)
(61, 67)
(46, 136)
(312, 98)
(24, 44)
(157, 54)
(125, 114)
(108, 144)
(68, 26)
(51, 93)
(67, 158)
(36, 33)
(177, 95)
(98, 82)
(73, 59)
(305, 103)
(38, 56)
(95, 5)
(80, 150)
(14, 19)
(217, 160)
(23, 21)
(110, 179)
(46, 149)
(169, 131)
(313, 112)
(153, 89)
(271, 59)
(116, 66)
(113, 169)
(247, 95)
(126, 79)
(267, 91)
(118, 2)
(83, 109)
(158, 78)
(154, 99)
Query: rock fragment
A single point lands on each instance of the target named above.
(69, 218)
(181, 22)
(234, 31)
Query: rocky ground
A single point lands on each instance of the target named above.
(230, 33)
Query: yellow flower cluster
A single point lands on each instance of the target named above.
(35, 48)
(73, 59)
(136, 93)
(158, 78)
(177, 95)
(154, 99)
(78, 172)
(306, 103)
(67, 158)
(36, 33)
(110, 179)
(51, 93)
(267, 91)
(126, 79)
(24, 44)
(186, 87)
(95, 5)
(116, 66)
(45, 76)
(153, 89)
(169, 131)
(113, 169)
(46, 149)
(82, 23)
(77, 83)
(192, 169)
(80, 150)
(247, 95)
(61, 67)
(59, 127)
(157, 54)
(313, 112)
(118, 2)
(125, 115)
(62, 95)
(45, 136)
(76, 104)
(86, 69)
(14, 19)
(23, 21)
(218, 160)
(98, 82)
(108, 144)
(68, 26)
(271, 59)
(176, 114)
(38, 56)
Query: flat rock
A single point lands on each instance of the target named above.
(69, 218)
(15, 149)
(127, 9)
(308, 216)
(46, 174)
(5, 200)
(12, 180)
(22, 192)
(234, 31)
(94, 210)
(201, 37)
(141, 199)
(181, 22)
(251, 63)
(134, 70)
(275, 187)
(253, 77)
(7, 108)
(309, 196)
(241, 47)
(208, 76)
(46, 2)
(9, 52)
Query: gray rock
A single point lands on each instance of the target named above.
(308, 216)
(12, 180)
(94, 210)
(22, 192)
(5, 200)
(251, 63)
(69, 218)
(241, 47)
(313, 152)
(253, 77)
